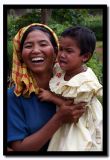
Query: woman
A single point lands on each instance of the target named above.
(32, 123)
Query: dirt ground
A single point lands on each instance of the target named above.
(100, 54)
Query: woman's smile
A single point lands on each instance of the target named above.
(37, 60)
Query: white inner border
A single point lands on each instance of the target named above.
(1, 66)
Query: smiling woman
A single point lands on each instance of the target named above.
(36, 50)
(36, 41)
(31, 123)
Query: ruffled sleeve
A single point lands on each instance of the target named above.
(82, 86)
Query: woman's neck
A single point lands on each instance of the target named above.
(43, 79)
(70, 74)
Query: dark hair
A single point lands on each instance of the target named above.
(41, 28)
(84, 37)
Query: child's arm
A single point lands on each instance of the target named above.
(46, 95)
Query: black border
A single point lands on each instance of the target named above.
(103, 153)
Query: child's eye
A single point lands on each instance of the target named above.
(69, 50)
(60, 49)
(43, 44)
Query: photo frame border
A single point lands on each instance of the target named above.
(105, 83)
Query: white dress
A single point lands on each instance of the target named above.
(86, 135)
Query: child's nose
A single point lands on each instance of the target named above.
(63, 55)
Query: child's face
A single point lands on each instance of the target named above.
(69, 55)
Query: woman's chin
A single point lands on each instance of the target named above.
(40, 69)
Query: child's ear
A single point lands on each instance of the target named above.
(86, 57)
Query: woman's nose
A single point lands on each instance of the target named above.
(36, 49)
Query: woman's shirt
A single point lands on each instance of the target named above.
(26, 115)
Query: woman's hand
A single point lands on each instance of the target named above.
(9, 149)
(71, 113)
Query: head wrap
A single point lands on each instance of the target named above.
(23, 79)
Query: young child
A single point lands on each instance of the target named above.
(75, 81)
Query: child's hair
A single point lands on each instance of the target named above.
(84, 37)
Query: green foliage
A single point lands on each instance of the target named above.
(99, 44)
(28, 18)
(11, 26)
(15, 23)
(10, 52)
(61, 19)
(85, 17)
(58, 28)
(78, 16)
(95, 12)
(95, 23)
(96, 66)
(70, 16)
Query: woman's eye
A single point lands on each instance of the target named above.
(28, 46)
(69, 51)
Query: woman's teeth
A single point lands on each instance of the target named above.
(37, 59)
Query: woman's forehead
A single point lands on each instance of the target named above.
(37, 34)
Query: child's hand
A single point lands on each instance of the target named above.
(44, 95)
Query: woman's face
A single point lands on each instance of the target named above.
(38, 52)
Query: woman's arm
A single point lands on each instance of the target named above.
(9, 149)
(37, 140)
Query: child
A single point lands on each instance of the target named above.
(73, 80)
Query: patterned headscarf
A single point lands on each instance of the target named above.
(23, 79)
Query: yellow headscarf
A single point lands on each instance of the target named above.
(22, 77)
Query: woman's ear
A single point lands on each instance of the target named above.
(86, 57)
